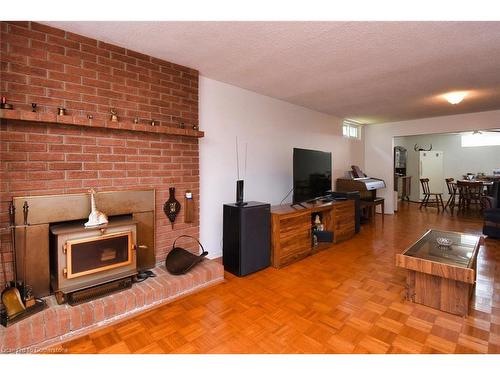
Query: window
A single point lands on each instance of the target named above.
(478, 139)
(351, 129)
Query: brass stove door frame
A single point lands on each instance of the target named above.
(68, 248)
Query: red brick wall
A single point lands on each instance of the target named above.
(54, 159)
(53, 67)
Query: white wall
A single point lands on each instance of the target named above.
(457, 160)
(379, 141)
(272, 128)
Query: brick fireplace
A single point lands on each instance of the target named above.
(44, 153)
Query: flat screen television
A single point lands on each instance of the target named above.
(312, 174)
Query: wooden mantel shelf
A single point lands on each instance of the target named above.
(51, 118)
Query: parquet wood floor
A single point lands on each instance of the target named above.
(348, 299)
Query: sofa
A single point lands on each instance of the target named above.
(492, 200)
(491, 213)
(491, 226)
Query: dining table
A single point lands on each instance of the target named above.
(464, 195)
(486, 184)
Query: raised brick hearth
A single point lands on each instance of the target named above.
(62, 322)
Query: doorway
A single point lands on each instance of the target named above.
(461, 156)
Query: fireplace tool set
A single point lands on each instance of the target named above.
(17, 297)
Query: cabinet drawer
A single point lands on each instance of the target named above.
(344, 231)
(344, 227)
(344, 204)
(344, 211)
(342, 235)
(284, 260)
(342, 222)
(294, 224)
(300, 241)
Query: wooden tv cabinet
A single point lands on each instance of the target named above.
(291, 229)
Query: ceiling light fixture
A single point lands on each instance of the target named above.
(455, 97)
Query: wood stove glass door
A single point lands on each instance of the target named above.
(95, 254)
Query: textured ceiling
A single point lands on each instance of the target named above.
(368, 71)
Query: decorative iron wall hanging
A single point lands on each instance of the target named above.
(172, 206)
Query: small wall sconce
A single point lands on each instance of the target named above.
(153, 123)
(136, 120)
(61, 111)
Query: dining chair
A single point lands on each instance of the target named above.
(438, 201)
(462, 195)
(452, 191)
(469, 193)
(476, 191)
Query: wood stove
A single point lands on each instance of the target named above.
(89, 262)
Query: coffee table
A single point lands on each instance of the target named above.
(442, 277)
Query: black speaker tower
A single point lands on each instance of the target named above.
(246, 243)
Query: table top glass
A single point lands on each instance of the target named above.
(458, 254)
